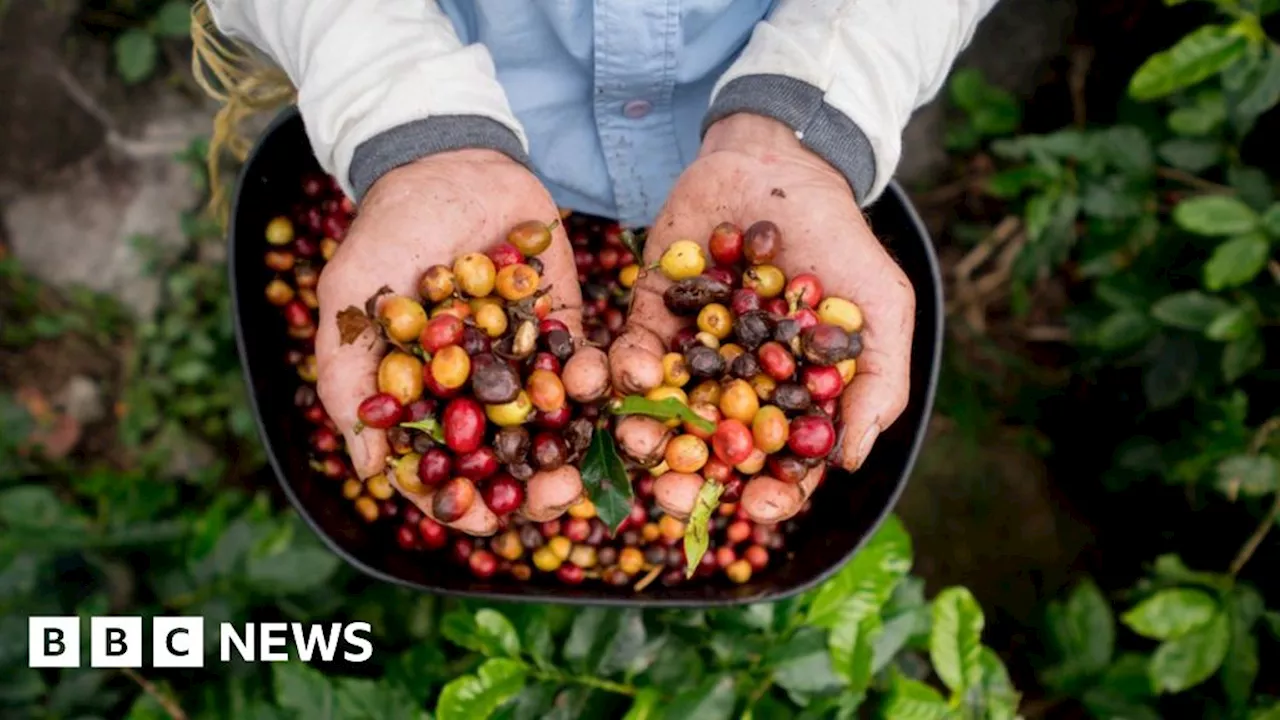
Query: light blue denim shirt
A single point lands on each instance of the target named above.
(611, 93)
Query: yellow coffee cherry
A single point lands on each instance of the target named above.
(491, 319)
(764, 386)
(628, 275)
(707, 391)
(475, 274)
(770, 429)
(686, 454)
(707, 339)
(754, 462)
(560, 546)
(848, 368)
(682, 260)
(716, 319)
(583, 509)
(674, 371)
(280, 231)
(766, 280)
(739, 401)
(510, 414)
(841, 313)
(546, 560)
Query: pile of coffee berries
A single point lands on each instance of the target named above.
(539, 431)
(765, 363)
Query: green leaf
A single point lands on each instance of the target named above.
(912, 700)
(1189, 660)
(1254, 188)
(1203, 52)
(697, 532)
(1171, 613)
(295, 570)
(429, 425)
(647, 705)
(1240, 667)
(1215, 215)
(606, 480)
(173, 19)
(1013, 182)
(305, 691)
(1084, 629)
(1127, 149)
(487, 632)
(853, 648)
(802, 664)
(1249, 475)
(1194, 155)
(867, 581)
(1236, 261)
(1265, 91)
(955, 643)
(476, 697)
(360, 699)
(1270, 712)
(33, 507)
(668, 409)
(995, 693)
(1241, 356)
(1191, 310)
(1271, 220)
(135, 53)
(712, 699)
(1230, 325)
(1122, 329)
(991, 110)
(1170, 568)
(1202, 118)
(603, 641)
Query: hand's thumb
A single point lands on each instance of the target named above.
(347, 374)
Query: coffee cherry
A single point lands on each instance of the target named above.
(491, 319)
(451, 366)
(823, 383)
(517, 282)
(739, 571)
(503, 494)
(477, 464)
(804, 290)
(279, 294)
(549, 451)
(474, 274)
(435, 466)
(770, 429)
(403, 318)
(324, 440)
(482, 563)
(531, 237)
(757, 557)
(726, 244)
(474, 341)
(553, 420)
(570, 574)
(279, 231)
(505, 255)
(841, 313)
(732, 441)
(512, 413)
(709, 412)
(686, 454)
(812, 436)
(707, 391)
(761, 242)
(400, 375)
(453, 499)
(715, 319)
(704, 362)
(753, 464)
(766, 280)
(825, 344)
(683, 259)
(380, 411)
(464, 425)
(738, 400)
(437, 283)
(787, 468)
(776, 362)
(441, 331)
(546, 391)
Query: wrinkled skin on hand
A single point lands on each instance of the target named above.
(753, 168)
(422, 214)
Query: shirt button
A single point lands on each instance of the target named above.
(637, 109)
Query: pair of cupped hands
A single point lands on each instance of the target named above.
(749, 168)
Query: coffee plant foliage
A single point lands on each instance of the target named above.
(1170, 237)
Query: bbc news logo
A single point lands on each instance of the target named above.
(178, 642)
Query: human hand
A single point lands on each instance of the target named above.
(753, 168)
(426, 213)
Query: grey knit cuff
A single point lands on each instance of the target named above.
(826, 131)
(403, 144)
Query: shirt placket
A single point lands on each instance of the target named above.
(636, 45)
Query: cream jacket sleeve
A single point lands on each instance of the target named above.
(846, 75)
(365, 67)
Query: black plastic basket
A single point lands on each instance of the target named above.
(847, 509)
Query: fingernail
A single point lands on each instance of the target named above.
(864, 446)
